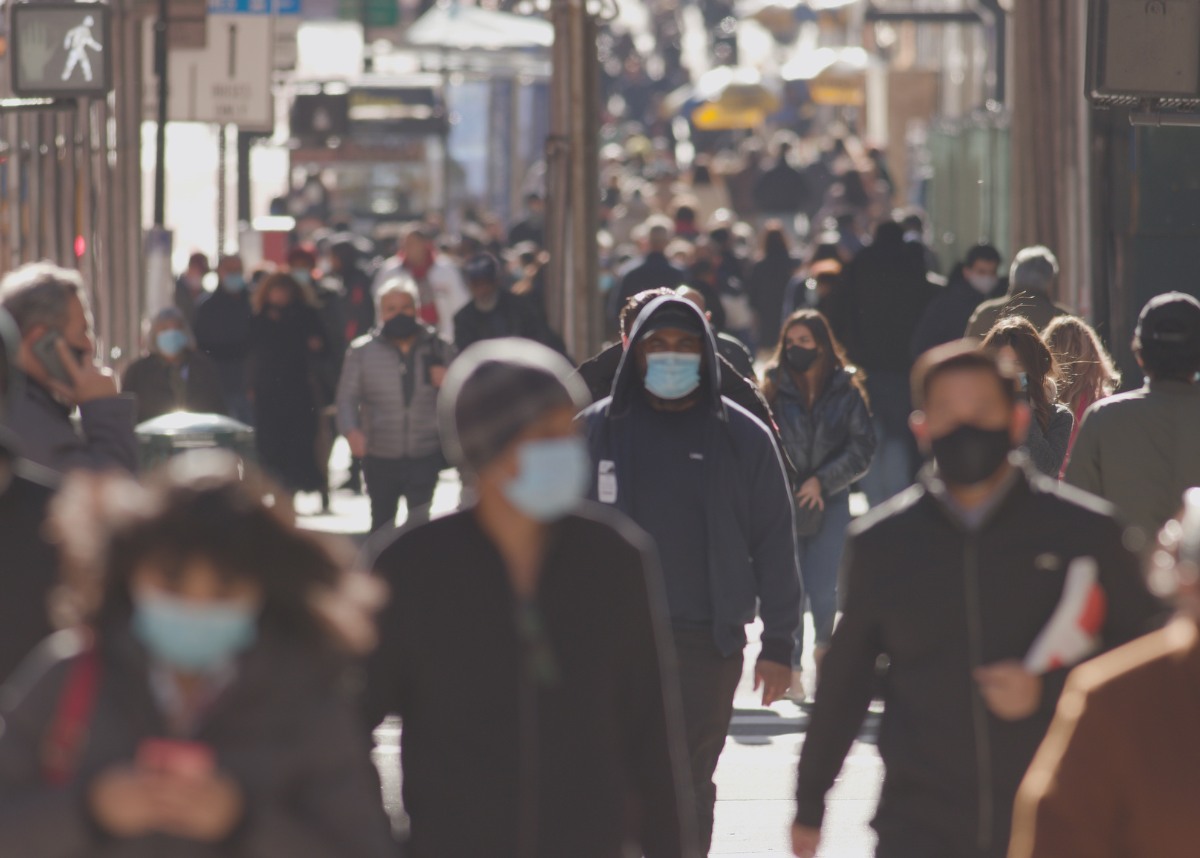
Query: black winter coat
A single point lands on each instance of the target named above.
(30, 562)
(149, 379)
(835, 441)
(653, 271)
(937, 601)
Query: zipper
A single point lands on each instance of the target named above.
(983, 745)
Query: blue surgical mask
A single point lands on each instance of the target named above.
(672, 375)
(553, 478)
(302, 277)
(171, 342)
(193, 637)
(235, 283)
(1023, 378)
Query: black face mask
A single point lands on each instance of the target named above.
(969, 454)
(401, 327)
(799, 358)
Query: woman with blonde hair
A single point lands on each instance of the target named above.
(1089, 373)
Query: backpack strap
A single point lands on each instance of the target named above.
(68, 731)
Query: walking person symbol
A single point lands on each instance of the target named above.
(78, 41)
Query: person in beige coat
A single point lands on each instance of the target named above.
(1119, 773)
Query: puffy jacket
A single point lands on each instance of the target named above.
(371, 396)
(749, 530)
(937, 600)
(835, 441)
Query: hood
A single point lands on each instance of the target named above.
(629, 381)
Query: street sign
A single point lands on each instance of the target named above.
(61, 50)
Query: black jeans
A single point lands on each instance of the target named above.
(388, 480)
(707, 680)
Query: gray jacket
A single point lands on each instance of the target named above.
(49, 438)
(371, 395)
(1139, 451)
(284, 731)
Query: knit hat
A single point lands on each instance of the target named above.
(495, 390)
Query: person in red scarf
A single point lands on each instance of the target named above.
(443, 292)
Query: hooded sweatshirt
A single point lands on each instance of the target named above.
(741, 512)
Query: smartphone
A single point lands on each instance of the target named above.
(46, 351)
(171, 757)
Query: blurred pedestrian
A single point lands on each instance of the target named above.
(1089, 373)
(883, 294)
(705, 479)
(286, 341)
(59, 375)
(30, 563)
(729, 347)
(1117, 772)
(190, 293)
(1138, 450)
(347, 266)
(769, 279)
(821, 405)
(387, 406)
(651, 271)
(533, 226)
(950, 585)
(173, 375)
(495, 313)
(781, 192)
(1017, 342)
(563, 603)
(197, 705)
(974, 281)
(1031, 282)
(223, 325)
(443, 292)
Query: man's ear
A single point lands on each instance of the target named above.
(1022, 414)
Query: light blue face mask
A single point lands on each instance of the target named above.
(672, 375)
(193, 637)
(171, 342)
(304, 278)
(1023, 377)
(552, 480)
(235, 283)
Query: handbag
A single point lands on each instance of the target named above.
(68, 731)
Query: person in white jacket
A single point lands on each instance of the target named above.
(440, 283)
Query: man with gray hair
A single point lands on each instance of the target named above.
(387, 405)
(56, 359)
(1031, 281)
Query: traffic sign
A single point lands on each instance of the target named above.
(255, 7)
(61, 50)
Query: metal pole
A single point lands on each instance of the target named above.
(162, 69)
(585, 329)
(222, 181)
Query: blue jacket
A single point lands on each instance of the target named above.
(751, 545)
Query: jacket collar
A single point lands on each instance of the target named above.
(629, 383)
(786, 385)
(1019, 484)
(1174, 388)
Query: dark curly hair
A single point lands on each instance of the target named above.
(204, 506)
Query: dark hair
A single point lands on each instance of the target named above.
(301, 256)
(685, 214)
(198, 260)
(634, 306)
(775, 241)
(982, 253)
(1039, 364)
(202, 506)
(277, 281)
(832, 359)
(959, 356)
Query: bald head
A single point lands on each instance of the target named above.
(687, 293)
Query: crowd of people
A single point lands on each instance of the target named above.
(622, 523)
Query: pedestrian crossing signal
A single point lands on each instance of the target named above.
(61, 50)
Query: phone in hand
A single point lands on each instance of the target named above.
(46, 351)
(172, 757)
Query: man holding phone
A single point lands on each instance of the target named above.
(56, 357)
